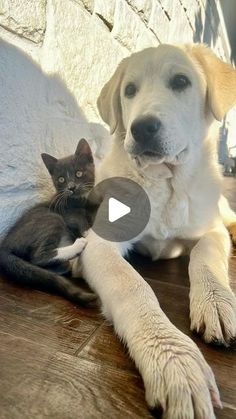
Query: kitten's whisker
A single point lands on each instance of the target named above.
(86, 187)
(61, 205)
(54, 199)
(89, 183)
(64, 203)
(57, 205)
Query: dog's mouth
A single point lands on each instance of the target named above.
(151, 154)
(150, 157)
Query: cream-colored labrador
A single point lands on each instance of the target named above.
(160, 104)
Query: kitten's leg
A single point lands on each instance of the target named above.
(60, 268)
(71, 251)
(76, 268)
(45, 257)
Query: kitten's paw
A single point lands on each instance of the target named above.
(214, 314)
(79, 296)
(79, 245)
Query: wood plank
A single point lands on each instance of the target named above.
(105, 347)
(50, 320)
(174, 271)
(226, 413)
(36, 383)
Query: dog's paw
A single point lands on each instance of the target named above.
(178, 380)
(232, 232)
(213, 314)
(79, 245)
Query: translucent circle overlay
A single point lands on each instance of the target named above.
(128, 193)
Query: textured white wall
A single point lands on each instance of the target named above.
(55, 55)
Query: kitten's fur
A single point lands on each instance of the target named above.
(36, 250)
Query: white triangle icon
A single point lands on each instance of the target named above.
(116, 210)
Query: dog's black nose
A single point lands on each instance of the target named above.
(145, 129)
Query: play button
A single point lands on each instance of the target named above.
(116, 210)
(123, 209)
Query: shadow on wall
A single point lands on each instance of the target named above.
(37, 114)
(222, 147)
(229, 13)
(206, 31)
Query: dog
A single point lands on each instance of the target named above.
(160, 104)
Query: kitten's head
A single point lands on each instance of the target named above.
(73, 175)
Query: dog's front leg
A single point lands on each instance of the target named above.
(174, 371)
(212, 302)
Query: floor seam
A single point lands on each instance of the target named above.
(84, 343)
(229, 405)
(166, 283)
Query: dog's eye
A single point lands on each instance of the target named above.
(130, 90)
(179, 82)
(61, 179)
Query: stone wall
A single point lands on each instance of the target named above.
(55, 55)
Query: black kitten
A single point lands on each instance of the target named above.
(37, 249)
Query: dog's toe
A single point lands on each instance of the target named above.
(215, 318)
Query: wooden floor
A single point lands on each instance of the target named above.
(60, 361)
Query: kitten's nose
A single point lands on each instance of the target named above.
(71, 186)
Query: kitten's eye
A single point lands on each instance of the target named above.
(130, 90)
(79, 173)
(61, 179)
(179, 82)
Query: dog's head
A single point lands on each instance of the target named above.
(161, 100)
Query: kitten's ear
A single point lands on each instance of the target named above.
(83, 148)
(49, 162)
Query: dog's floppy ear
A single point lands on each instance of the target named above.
(108, 102)
(221, 80)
